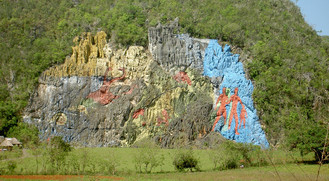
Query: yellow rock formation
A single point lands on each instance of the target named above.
(92, 55)
(84, 56)
(59, 119)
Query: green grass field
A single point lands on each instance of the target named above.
(285, 172)
(286, 166)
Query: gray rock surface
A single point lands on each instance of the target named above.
(172, 50)
(59, 108)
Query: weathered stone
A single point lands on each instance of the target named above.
(89, 50)
(171, 50)
(60, 106)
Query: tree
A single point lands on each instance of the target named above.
(307, 136)
(148, 157)
(57, 150)
(27, 134)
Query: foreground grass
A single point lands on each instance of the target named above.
(125, 158)
(126, 165)
(287, 166)
(285, 172)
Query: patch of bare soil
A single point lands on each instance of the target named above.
(55, 177)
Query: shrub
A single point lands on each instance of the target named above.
(186, 160)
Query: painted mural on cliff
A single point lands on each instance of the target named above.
(103, 96)
(236, 117)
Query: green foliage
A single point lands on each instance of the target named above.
(307, 137)
(8, 168)
(58, 143)
(8, 117)
(27, 134)
(11, 166)
(185, 159)
(127, 23)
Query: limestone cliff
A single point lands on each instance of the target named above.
(102, 96)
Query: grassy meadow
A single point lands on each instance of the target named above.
(281, 165)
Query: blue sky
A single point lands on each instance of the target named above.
(316, 14)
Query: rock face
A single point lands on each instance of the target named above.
(171, 50)
(224, 69)
(166, 93)
(60, 105)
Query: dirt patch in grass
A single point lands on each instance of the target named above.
(55, 177)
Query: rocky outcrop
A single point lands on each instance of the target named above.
(171, 50)
(224, 70)
(87, 56)
(103, 96)
(60, 104)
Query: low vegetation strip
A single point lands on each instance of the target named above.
(57, 177)
(246, 174)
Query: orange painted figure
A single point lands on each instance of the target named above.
(243, 116)
(131, 89)
(165, 120)
(222, 110)
(103, 95)
(235, 99)
(139, 112)
(183, 77)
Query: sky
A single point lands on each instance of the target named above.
(316, 14)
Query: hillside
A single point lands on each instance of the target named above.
(283, 56)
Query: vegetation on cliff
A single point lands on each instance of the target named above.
(285, 57)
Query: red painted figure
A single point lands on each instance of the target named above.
(222, 110)
(139, 112)
(103, 95)
(131, 89)
(165, 120)
(243, 116)
(183, 77)
(166, 116)
(235, 99)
